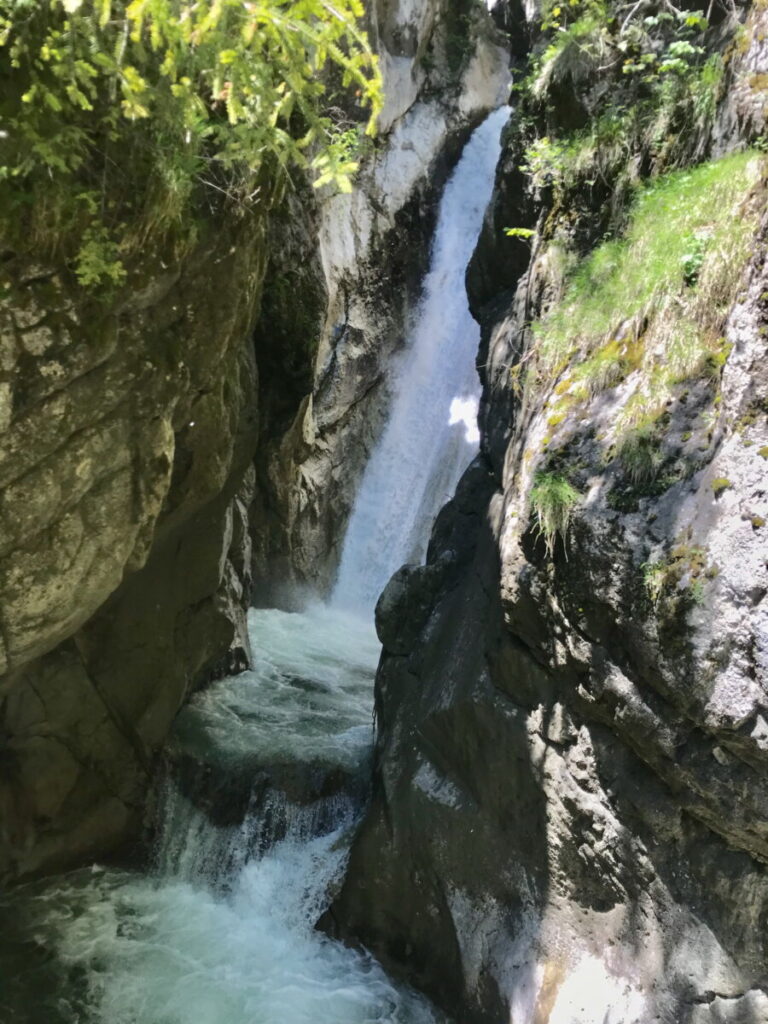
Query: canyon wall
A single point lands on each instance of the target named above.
(127, 475)
(361, 261)
(569, 820)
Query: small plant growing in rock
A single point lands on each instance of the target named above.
(640, 456)
(763, 452)
(692, 260)
(720, 484)
(553, 500)
(680, 575)
(654, 574)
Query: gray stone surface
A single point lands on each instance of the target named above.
(361, 258)
(125, 474)
(569, 818)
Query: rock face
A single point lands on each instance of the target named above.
(160, 448)
(569, 818)
(124, 567)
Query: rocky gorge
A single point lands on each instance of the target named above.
(566, 820)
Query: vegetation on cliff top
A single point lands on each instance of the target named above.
(617, 91)
(120, 119)
(553, 499)
(648, 307)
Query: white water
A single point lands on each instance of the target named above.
(431, 435)
(171, 952)
(222, 930)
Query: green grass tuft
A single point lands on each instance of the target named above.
(553, 500)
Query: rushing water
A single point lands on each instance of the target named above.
(431, 434)
(266, 770)
(221, 931)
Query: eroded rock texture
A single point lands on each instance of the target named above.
(206, 424)
(126, 479)
(569, 819)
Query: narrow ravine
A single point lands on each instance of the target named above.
(266, 772)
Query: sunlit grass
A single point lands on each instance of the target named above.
(686, 223)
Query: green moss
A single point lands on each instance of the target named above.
(628, 278)
(640, 455)
(758, 522)
(720, 484)
(679, 576)
(556, 419)
(763, 452)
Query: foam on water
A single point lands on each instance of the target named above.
(170, 952)
(223, 930)
(307, 697)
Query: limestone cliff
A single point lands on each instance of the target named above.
(126, 476)
(569, 818)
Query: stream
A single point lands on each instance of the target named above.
(265, 774)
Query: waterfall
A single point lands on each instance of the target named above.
(431, 434)
(267, 771)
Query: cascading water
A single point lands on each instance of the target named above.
(431, 434)
(266, 770)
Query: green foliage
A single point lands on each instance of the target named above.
(654, 574)
(663, 99)
(720, 484)
(98, 259)
(524, 233)
(652, 302)
(680, 575)
(457, 20)
(629, 278)
(119, 117)
(543, 161)
(692, 261)
(553, 500)
(649, 307)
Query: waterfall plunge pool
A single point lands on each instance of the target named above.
(221, 929)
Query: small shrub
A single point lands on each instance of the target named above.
(654, 574)
(720, 484)
(684, 569)
(553, 500)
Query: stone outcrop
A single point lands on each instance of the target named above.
(129, 432)
(163, 446)
(569, 818)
